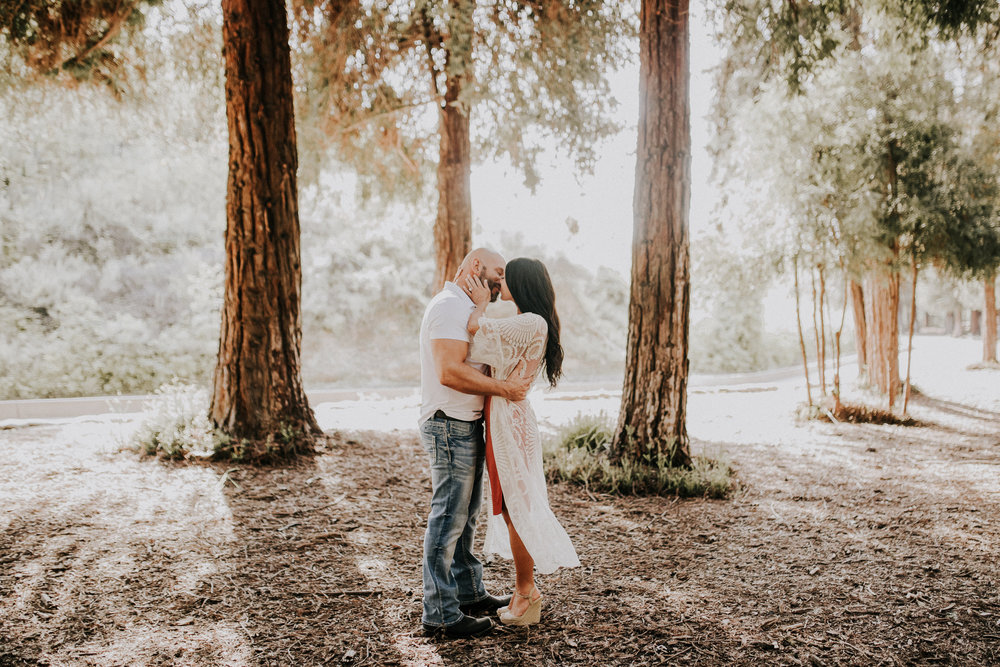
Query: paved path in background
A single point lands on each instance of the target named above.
(66, 408)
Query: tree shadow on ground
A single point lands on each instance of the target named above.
(990, 417)
(831, 554)
(102, 554)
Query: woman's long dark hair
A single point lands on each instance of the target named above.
(531, 289)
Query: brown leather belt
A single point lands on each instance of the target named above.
(441, 415)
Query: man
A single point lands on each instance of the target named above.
(451, 431)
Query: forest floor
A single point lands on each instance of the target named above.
(845, 544)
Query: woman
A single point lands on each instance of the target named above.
(524, 343)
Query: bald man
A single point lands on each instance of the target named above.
(451, 431)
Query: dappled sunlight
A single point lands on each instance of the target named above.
(836, 528)
(221, 644)
(375, 562)
(108, 517)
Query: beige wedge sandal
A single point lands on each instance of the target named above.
(531, 615)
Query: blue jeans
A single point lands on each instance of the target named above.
(452, 575)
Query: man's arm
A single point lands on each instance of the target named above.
(454, 373)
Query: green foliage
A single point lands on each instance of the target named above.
(579, 453)
(105, 290)
(792, 40)
(71, 42)
(286, 442)
(870, 165)
(591, 433)
(375, 74)
(731, 337)
(111, 256)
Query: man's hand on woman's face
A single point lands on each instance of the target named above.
(477, 290)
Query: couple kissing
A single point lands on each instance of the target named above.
(475, 373)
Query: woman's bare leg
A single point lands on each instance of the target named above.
(524, 569)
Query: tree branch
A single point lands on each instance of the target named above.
(116, 23)
(387, 112)
(425, 21)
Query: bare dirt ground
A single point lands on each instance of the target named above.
(847, 544)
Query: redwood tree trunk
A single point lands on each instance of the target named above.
(860, 328)
(990, 325)
(257, 392)
(882, 318)
(453, 227)
(654, 396)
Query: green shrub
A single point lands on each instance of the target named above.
(580, 454)
(175, 424)
(588, 432)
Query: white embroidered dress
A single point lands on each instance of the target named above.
(502, 344)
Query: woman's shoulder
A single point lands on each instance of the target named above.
(530, 322)
(521, 318)
(533, 318)
(520, 327)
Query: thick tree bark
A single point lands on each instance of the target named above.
(860, 328)
(882, 319)
(654, 397)
(990, 325)
(453, 227)
(258, 394)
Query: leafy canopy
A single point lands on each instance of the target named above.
(374, 73)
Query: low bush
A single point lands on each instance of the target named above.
(175, 424)
(580, 453)
(854, 413)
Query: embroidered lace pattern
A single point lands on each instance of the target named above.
(502, 344)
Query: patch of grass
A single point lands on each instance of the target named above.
(287, 443)
(175, 424)
(580, 453)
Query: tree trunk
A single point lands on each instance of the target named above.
(820, 368)
(802, 338)
(990, 327)
(257, 390)
(957, 329)
(822, 326)
(882, 319)
(654, 397)
(860, 333)
(909, 339)
(975, 322)
(836, 343)
(453, 227)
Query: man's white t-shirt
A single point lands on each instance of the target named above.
(446, 317)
